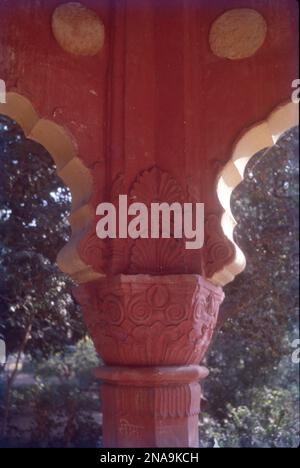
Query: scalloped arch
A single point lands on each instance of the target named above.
(258, 137)
(63, 149)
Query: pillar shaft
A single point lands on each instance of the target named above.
(151, 406)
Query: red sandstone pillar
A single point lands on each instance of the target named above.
(152, 332)
(163, 102)
(151, 406)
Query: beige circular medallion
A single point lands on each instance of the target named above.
(238, 33)
(77, 29)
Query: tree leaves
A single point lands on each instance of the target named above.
(34, 206)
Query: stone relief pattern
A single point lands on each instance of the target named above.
(92, 250)
(148, 323)
(157, 256)
(218, 251)
(176, 401)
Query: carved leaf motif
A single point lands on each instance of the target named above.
(151, 322)
(218, 251)
(155, 185)
(112, 309)
(157, 296)
(92, 250)
(157, 256)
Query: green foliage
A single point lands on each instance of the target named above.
(62, 407)
(74, 364)
(37, 310)
(268, 419)
(259, 319)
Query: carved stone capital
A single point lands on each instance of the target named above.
(143, 320)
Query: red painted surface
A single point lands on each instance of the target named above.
(156, 95)
(143, 320)
(152, 331)
(155, 109)
(151, 407)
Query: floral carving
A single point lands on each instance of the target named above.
(140, 312)
(157, 295)
(176, 313)
(155, 185)
(157, 256)
(113, 306)
(218, 250)
(92, 251)
(148, 320)
(148, 255)
(169, 256)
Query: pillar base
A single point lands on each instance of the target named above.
(151, 406)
